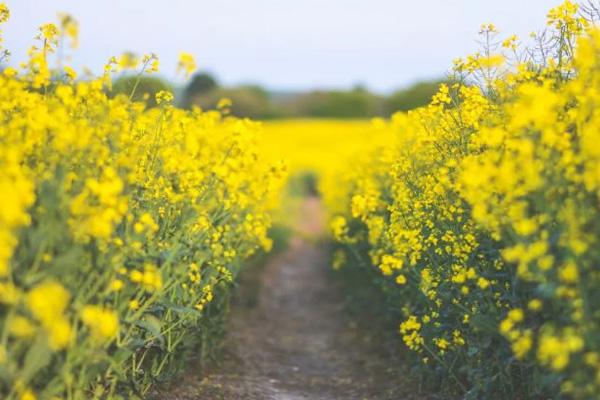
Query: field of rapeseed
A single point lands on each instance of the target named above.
(123, 226)
(319, 146)
(120, 226)
(483, 218)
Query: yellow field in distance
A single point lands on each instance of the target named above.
(319, 145)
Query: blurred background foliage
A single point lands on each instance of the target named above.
(254, 101)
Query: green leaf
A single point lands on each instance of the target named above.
(38, 357)
(151, 324)
(484, 323)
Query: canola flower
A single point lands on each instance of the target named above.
(186, 64)
(119, 225)
(103, 323)
(483, 217)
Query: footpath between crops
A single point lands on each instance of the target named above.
(294, 339)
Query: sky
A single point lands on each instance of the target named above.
(283, 44)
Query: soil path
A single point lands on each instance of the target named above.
(297, 341)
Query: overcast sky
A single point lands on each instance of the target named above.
(284, 44)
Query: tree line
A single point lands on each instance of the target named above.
(254, 101)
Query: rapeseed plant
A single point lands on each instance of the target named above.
(483, 218)
(119, 225)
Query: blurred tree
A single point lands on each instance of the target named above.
(146, 88)
(201, 84)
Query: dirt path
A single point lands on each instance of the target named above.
(297, 341)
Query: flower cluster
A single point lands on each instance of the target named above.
(484, 217)
(119, 225)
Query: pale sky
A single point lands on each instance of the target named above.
(284, 44)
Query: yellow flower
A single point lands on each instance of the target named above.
(569, 273)
(389, 264)
(128, 60)
(510, 42)
(49, 32)
(103, 323)
(136, 276)
(441, 343)
(21, 327)
(9, 294)
(9, 71)
(565, 16)
(70, 72)
(488, 28)
(4, 13)
(147, 221)
(60, 333)
(70, 27)
(164, 97)
(151, 277)
(224, 103)
(150, 63)
(186, 64)
(442, 96)
(516, 315)
(483, 283)
(134, 304)
(555, 350)
(522, 345)
(116, 285)
(48, 301)
(457, 338)
(28, 394)
(535, 305)
(339, 228)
